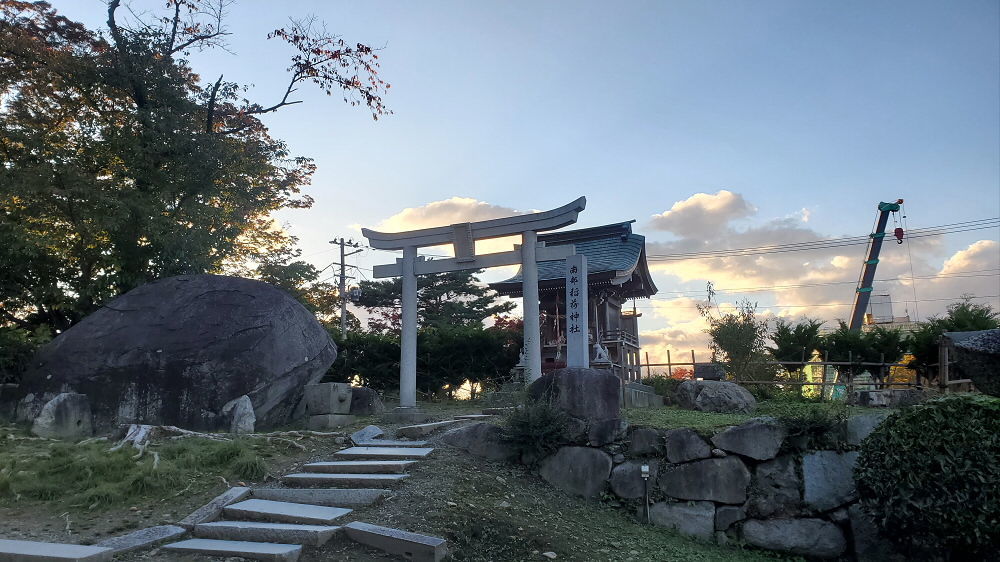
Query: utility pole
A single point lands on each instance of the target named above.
(343, 280)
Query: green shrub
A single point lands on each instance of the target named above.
(810, 425)
(930, 478)
(535, 430)
(662, 384)
(17, 347)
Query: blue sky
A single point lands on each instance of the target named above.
(777, 111)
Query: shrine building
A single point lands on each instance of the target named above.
(617, 273)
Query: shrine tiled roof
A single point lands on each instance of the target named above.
(615, 256)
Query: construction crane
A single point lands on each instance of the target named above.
(864, 291)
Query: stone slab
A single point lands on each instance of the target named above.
(285, 512)
(412, 546)
(321, 479)
(473, 416)
(695, 519)
(18, 551)
(389, 443)
(211, 510)
(253, 550)
(332, 497)
(258, 531)
(424, 429)
(358, 467)
(329, 421)
(384, 452)
(143, 538)
(366, 433)
(499, 410)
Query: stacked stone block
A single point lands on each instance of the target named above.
(328, 405)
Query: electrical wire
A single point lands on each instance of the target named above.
(836, 304)
(979, 224)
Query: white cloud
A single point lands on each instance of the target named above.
(702, 213)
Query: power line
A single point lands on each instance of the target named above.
(838, 304)
(979, 224)
(959, 275)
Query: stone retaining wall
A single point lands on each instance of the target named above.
(742, 485)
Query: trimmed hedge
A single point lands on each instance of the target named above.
(930, 478)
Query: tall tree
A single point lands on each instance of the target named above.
(962, 316)
(795, 342)
(445, 299)
(118, 166)
(739, 339)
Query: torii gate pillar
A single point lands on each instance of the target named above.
(463, 237)
(529, 299)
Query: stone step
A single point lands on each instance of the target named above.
(321, 479)
(358, 467)
(411, 546)
(499, 410)
(423, 429)
(244, 549)
(473, 416)
(259, 531)
(284, 512)
(51, 551)
(332, 497)
(383, 452)
(390, 443)
(142, 538)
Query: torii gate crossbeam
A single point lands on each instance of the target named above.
(463, 237)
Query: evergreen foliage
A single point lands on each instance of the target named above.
(930, 478)
(963, 316)
(793, 342)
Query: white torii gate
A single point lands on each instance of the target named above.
(463, 237)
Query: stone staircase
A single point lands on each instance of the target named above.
(275, 524)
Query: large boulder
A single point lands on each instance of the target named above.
(696, 519)
(482, 440)
(722, 480)
(715, 396)
(581, 471)
(775, 490)
(814, 538)
(828, 479)
(587, 394)
(177, 350)
(760, 438)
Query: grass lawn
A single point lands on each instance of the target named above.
(670, 417)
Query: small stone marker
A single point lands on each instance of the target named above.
(577, 324)
(366, 433)
(67, 416)
(254, 550)
(412, 546)
(48, 551)
(213, 509)
(142, 538)
(328, 398)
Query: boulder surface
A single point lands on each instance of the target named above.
(715, 396)
(828, 479)
(814, 538)
(760, 439)
(587, 394)
(722, 480)
(175, 351)
(581, 471)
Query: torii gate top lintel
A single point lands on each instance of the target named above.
(494, 228)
